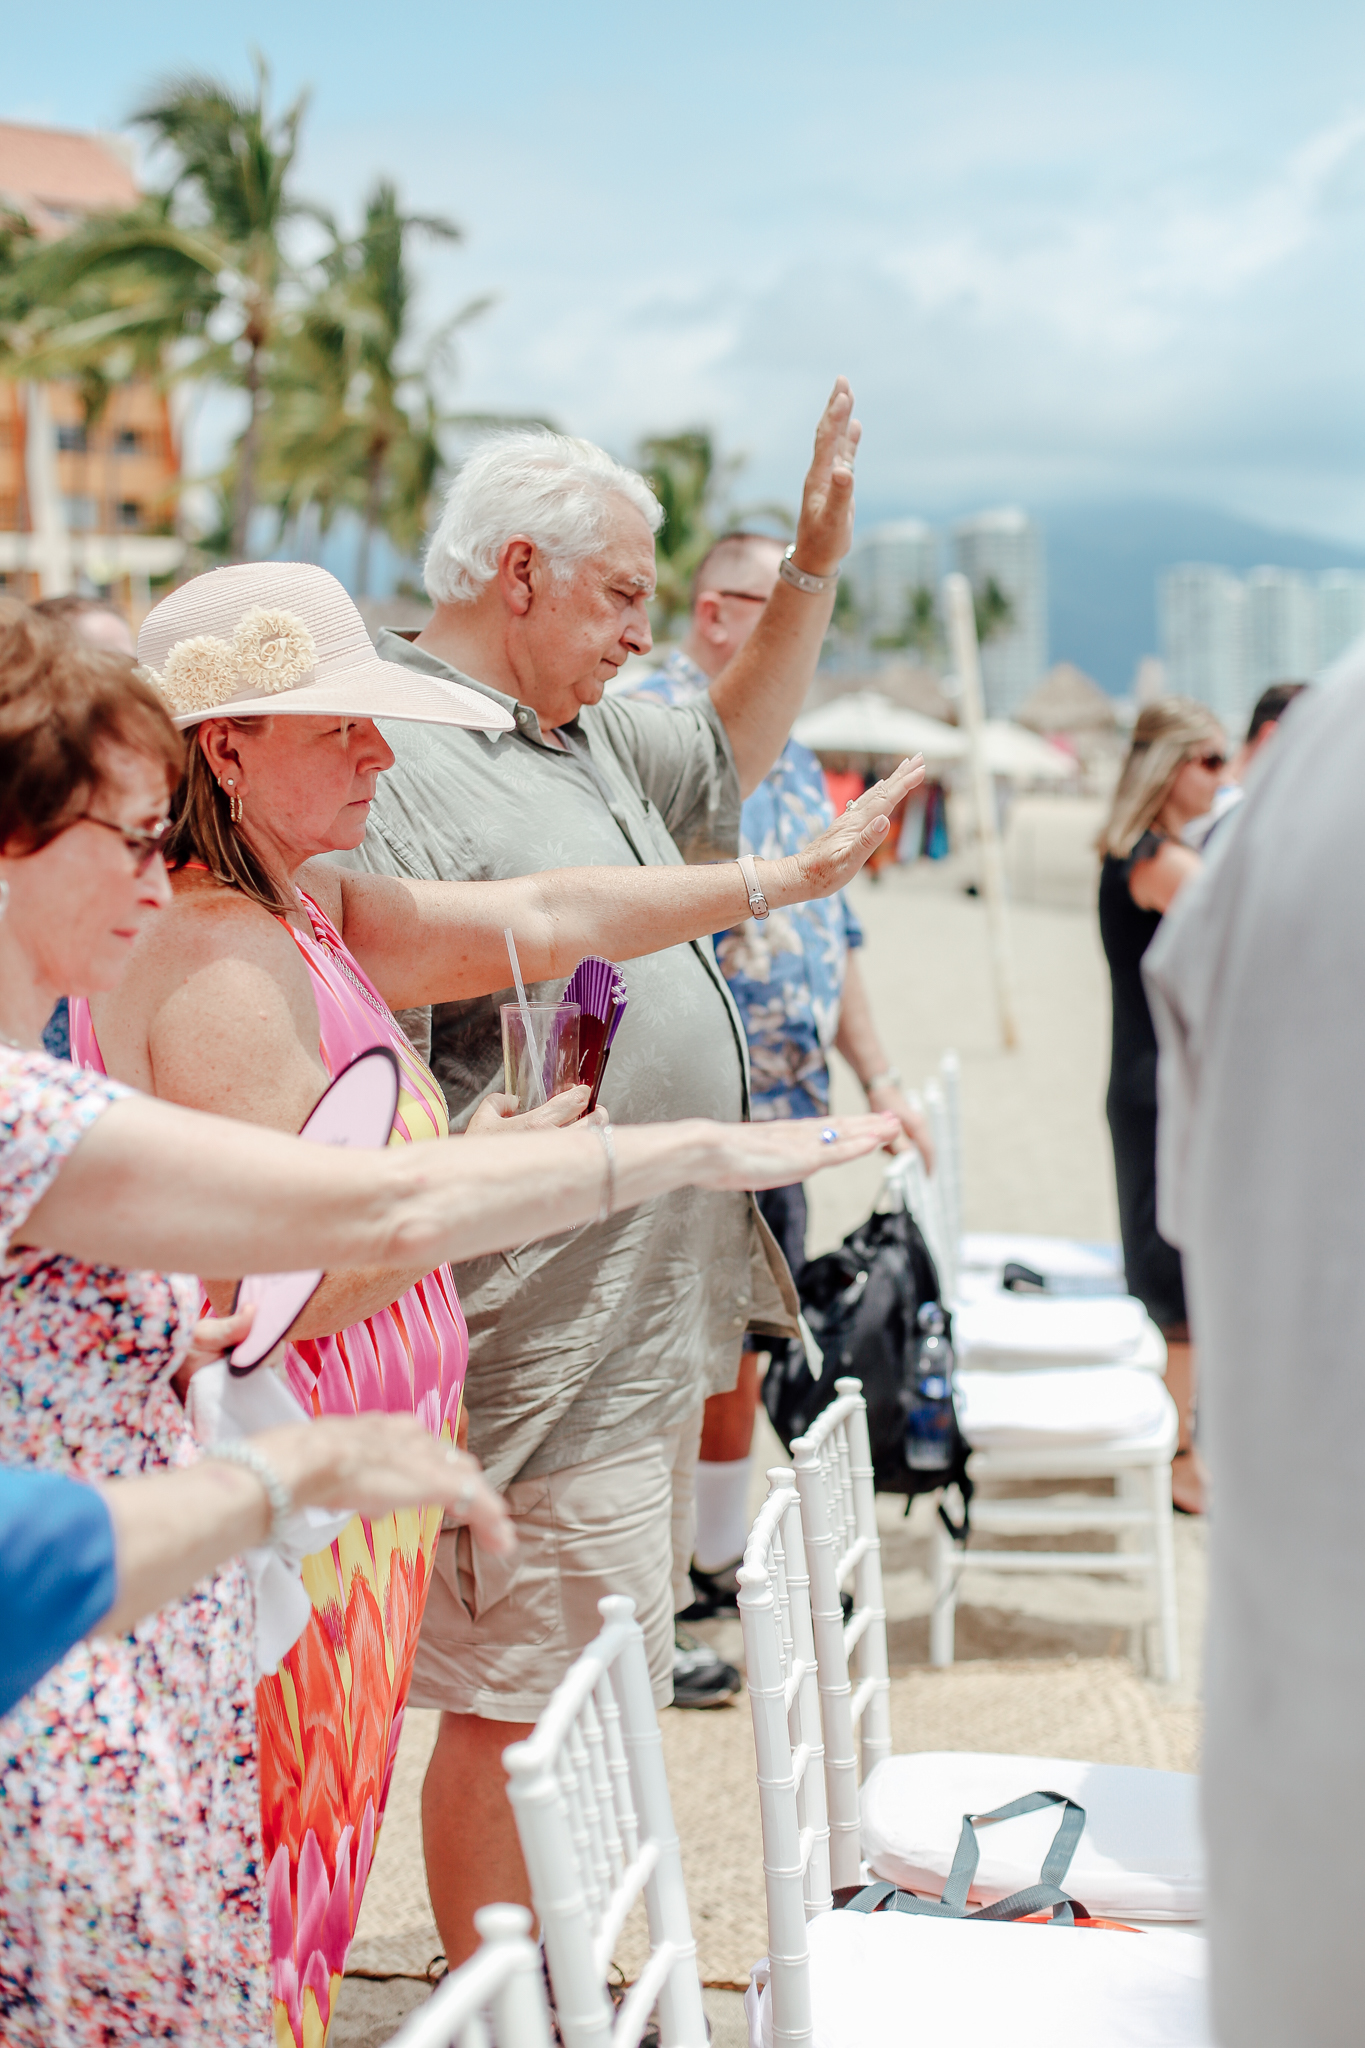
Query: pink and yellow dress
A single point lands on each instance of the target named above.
(331, 1714)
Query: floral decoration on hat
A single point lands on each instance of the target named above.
(270, 650)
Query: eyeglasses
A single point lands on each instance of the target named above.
(144, 846)
(1213, 762)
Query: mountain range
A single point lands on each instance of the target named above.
(1103, 562)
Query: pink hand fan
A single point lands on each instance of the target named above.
(599, 989)
(357, 1110)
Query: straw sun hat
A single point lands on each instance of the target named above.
(270, 637)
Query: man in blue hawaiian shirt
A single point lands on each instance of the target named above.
(797, 986)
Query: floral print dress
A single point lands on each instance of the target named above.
(131, 1866)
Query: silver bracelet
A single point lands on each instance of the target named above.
(604, 1132)
(888, 1076)
(240, 1452)
(801, 579)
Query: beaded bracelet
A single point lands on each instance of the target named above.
(245, 1454)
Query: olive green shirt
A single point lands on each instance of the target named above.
(585, 1343)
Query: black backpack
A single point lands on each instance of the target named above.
(861, 1303)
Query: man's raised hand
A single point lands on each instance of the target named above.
(824, 532)
(833, 859)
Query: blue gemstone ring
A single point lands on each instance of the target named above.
(827, 1136)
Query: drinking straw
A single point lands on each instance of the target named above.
(537, 1079)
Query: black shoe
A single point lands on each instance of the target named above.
(700, 1679)
(716, 1593)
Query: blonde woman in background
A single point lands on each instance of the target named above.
(1171, 775)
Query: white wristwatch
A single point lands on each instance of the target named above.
(758, 902)
(801, 579)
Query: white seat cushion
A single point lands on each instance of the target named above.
(973, 1288)
(1066, 1257)
(1074, 1404)
(879, 1980)
(1004, 1329)
(1140, 1853)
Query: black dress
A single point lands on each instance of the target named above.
(1152, 1265)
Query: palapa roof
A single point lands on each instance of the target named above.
(907, 683)
(1068, 700)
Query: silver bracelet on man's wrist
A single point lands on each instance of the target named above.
(890, 1077)
(604, 1132)
(240, 1452)
(801, 579)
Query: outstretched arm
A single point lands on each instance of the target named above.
(426, 942)
(171, 1528)
(760, 692)
(151, 1184)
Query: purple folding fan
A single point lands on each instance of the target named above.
(599, 989)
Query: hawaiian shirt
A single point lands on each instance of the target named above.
(786, 973)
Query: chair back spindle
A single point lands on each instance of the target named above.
(590, 1796)
(779, 1653)
(833, 1465)
(495, 2000)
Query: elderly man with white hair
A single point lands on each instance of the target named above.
(590, 1355)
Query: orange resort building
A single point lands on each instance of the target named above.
(86, 506)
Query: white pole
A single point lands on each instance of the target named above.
(961, 620)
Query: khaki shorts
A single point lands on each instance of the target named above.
(499, 1634)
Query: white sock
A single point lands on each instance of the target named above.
(722, 1496)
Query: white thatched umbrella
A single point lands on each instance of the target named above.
(865, 722)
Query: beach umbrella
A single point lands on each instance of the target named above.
(865, 722)
(1012, 750)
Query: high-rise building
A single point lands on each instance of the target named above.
(83, 502)
(1006, 548)
(886, 566)
(1341, 612)
(1281, 629)
(1202, 616)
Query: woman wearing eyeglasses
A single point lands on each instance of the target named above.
(135, 1891)
(1170, 777)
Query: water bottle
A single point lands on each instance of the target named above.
(929, 1422)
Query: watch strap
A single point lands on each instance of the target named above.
(801, 579)
(758, 902)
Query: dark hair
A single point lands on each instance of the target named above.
(728, 543)
(203, 832)
(1272, 705)
(63, 703)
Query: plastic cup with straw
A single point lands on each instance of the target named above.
(537, 1071)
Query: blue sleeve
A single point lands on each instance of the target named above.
(56, 1573)
(853, 931)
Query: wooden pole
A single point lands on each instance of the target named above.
(961, 621)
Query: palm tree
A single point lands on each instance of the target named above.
(192, 282)
(994, 608)
(693, 485)
(922, 630)
(355, 415)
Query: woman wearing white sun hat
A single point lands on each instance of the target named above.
(269, 970)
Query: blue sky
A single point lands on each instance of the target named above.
(1062, 251)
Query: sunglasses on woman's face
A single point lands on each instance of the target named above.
(144, 846)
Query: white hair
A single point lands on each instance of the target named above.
(554, 489)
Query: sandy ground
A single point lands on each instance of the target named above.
(1043, 1666)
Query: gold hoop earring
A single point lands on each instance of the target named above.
(234, 802)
